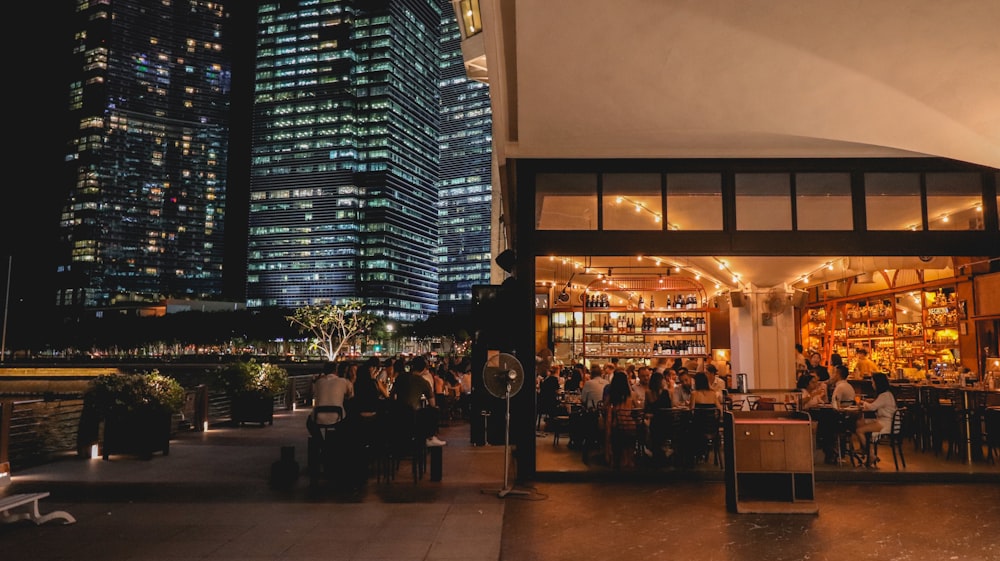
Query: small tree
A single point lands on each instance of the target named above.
(331, 325)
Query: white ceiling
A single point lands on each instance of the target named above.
(731, 78)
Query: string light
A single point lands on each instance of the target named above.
(640, 206)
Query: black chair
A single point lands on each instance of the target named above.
(668, 431)
(706, 435)
(894, 438)
(588, 429)
(992, 433)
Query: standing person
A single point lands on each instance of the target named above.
(330, 392)
(714, 380)
(800, 361)
(816, 367)
(620, 424)
(641, 387)
(864, 367)
(548, 396)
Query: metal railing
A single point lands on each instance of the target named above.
(34, 430)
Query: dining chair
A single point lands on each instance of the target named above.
(706, 434)
(894, 438)
(991, 434)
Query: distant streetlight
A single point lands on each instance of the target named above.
(389, 327)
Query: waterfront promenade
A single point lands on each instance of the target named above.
(210, 499)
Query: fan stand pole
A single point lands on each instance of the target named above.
(508, 489)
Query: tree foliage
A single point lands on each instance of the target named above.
(331, 326)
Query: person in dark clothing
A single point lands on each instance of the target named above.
(548, 394)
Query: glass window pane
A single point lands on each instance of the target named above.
(892, 201)
(632, 201)
(694, 201)
(954, 201)
(763, 201)
(566, 201)
(823, 201)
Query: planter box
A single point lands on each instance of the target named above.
(252, 407)
(138, 432)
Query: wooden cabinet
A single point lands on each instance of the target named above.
(769, 462)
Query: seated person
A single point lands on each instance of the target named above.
(703, 395)
(811, 393)
(843, 391)
(329, 390)
(884, 406)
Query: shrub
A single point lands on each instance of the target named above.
(117, 393)
(251, 376)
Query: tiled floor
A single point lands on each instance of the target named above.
(210, 499)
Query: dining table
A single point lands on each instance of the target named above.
(834, 422)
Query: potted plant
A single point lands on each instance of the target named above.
(251, 387)
(135, 409)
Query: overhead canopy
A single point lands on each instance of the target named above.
(730, 78)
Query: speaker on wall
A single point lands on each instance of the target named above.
(737, 299)
(799, 298)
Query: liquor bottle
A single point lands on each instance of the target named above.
(652, 302)
(668, 301)
(642, 303)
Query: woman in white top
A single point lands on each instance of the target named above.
(884, 406)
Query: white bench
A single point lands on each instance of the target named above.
(13, 501)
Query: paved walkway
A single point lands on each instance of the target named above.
(210, 499)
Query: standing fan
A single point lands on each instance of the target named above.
(503, 377)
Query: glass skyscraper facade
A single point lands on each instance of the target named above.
(345, 163)
(464, 211)
(150, 106)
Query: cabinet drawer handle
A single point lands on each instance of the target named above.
(747, 433)
(770, 433)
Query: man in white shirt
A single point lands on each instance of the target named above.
(843, 391)
(329, 391)
(593, 391)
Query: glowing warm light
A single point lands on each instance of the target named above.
(618, 199)
(829, 266)
(944, 218)
(204, 426)
(638, 208)
(95, 452)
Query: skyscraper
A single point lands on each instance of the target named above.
(344, 173)
(144, 218)
(464, 257)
